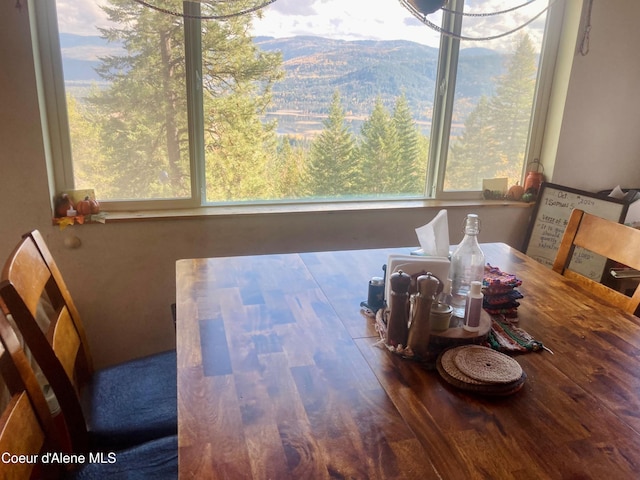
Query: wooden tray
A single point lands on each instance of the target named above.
(440, 341)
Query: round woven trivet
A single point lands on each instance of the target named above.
(447, 362)
(490, 389)
(487, 365)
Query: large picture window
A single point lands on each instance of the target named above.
(312, 100)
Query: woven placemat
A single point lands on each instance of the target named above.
(487, 365)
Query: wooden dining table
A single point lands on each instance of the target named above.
(280, 376)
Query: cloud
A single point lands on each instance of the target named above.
(294, 7)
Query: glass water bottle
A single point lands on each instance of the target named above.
(467, 265)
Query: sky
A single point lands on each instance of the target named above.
(343, 19)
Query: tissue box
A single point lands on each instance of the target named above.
(415, 266)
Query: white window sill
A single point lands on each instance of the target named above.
(333, 207)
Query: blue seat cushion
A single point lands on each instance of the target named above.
(132, 402)
(155, 460)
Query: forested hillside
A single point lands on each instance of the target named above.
(316, 67)
(364, 70)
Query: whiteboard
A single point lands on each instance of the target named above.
(549, 220)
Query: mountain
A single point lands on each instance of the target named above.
(315, 67)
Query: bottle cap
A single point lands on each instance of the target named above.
(476, 287)
(472, 224)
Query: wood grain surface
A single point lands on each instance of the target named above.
(279, 377)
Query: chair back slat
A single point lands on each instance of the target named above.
(26, 424)
(35, 275)
(20, 434)
(66, 343)
(607, 238)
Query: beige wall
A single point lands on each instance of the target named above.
(600, 135)
(123, 274)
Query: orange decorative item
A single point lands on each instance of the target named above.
(534, 178)
(87, 206)
(95, 206)
(515, 192)
(63, 204)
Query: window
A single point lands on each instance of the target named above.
(151, 109)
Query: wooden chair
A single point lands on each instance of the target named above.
(26, 423)
(27, 428)
(612, 240)
(116, 407)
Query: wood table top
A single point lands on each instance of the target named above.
(279, 378)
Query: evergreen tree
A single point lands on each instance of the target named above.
(495, 134)
(379, 152)
(512, 107)
(474, 155)
(413, 150)
(290, 174)
(332, 170)
(144, 110)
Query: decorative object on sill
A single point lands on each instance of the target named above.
(64, 222)
(534, 179)
(416, 8)
(77, 207)
(494, 188)
(515, 192)
(208, 5)
(63, 204)
(88, 206)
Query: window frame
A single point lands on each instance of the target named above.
(48, 58)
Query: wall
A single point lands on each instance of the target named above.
(600, 135)
(123, 274)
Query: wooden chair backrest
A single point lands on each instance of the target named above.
(26, 424)
(610, 239)
(30, 277)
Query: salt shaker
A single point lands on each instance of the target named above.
(398, 323)
(420, 318)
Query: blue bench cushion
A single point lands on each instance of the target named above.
(132, 402)
(155, 460)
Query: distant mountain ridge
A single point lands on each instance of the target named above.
(315, 67)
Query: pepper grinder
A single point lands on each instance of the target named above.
(420, 318)
(398, 323)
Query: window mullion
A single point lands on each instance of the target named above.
(444, 98)
(195, 107)
(48, 63)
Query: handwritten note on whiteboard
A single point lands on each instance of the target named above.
(549, 220)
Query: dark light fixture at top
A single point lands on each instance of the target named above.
(426, 7)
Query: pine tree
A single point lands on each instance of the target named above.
(332, 163)
(495, 134)
(144, 110)
(289, 174)
(413, 150)
(379, 152)
(511, 107)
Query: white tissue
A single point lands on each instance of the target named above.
(434, 236)
(617, 193)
